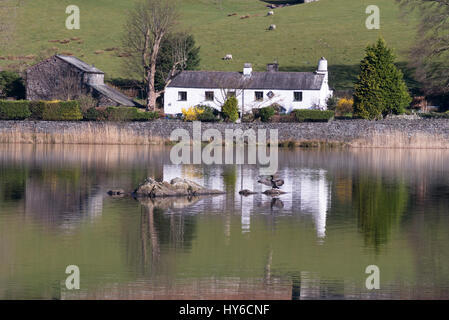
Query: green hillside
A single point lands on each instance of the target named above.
(305, 32)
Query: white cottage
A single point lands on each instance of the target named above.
(291, 90)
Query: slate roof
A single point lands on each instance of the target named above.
(83, 66)
(257, 80)
(114, 95)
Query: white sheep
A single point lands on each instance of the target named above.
(228, 57)
(270, 13)
(272, 27)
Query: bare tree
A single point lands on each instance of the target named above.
(149, 23)
(430, 54)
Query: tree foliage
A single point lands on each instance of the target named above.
(430, 54)
(11, 85)
(380, 89)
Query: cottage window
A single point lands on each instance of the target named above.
(182, 95)
(258, 95)
(297, 96)
(209, 96)
(230, 94)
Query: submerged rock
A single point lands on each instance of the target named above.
(177, 187)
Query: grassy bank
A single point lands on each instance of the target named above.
(305, 32)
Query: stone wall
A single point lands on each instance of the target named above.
(395, 133)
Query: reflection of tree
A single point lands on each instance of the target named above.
(230, 178)
(379, 205)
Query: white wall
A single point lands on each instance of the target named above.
(285, 98)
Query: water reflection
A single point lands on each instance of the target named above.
(342, 211)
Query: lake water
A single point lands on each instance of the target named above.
(343, 211)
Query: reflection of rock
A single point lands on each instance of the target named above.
(276, 203)
(273, 192)
(170, 203)
(246, 192)
(177, 187)
(116, 192)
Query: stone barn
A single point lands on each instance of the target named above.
(67, 78)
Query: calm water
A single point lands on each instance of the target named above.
(344, 210)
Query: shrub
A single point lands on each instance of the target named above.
(128, 114)
(209, 114)
(14, 110)
(248, 117)
(230, 109)
(192, 113)
(61, 111)
(331, 103)
(308, 115)
(344, 106)
(11, 85)
(266, 113)
(87, 102)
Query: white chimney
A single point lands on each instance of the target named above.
(322, 68)
(247, 69)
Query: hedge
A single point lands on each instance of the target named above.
(14, 110)
(310, 115)
(61, 111)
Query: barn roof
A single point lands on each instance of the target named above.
(257, 80)
(114, 95)
(83, 66)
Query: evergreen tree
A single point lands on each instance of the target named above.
(230, 109)
(380, 89)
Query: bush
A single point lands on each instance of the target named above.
(331, 103)
(14, 110)
(11, 85)
(61, 111)
(87, 102)
(192, 113)
(344, 106)
(308, 115)
(266, 113)
(230, 109)
(209, 114)
(128, 114)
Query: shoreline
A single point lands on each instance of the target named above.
(387, 133)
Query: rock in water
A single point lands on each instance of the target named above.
(246, 192)
(273, 192)
(177, 187)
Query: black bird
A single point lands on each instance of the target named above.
(272, 182)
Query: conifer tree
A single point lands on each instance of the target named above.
(380, 89)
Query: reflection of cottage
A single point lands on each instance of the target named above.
(292, 90)
(66, 78)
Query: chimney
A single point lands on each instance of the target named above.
(322, 69)
(322, 66)
(273, 67)
(247, 69)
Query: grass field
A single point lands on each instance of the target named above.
(331, 28)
